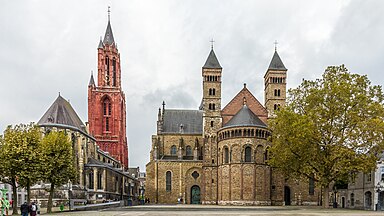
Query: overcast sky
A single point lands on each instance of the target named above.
(50, 46)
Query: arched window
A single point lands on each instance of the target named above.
(114, 72)
(99, 178)
(189, 151)
(248, 154)
(226, 155)
(168, 181)
(173, 150)
(213, 92)
(266, 154)
(90, 178)
(107, 75)
(352, 199)
(107, 112)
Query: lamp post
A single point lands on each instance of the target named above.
(334, 196)
(69, 194)
(141, 194)
(129, 195)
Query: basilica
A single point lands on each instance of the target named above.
(219, 154)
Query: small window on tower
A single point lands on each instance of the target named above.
(107, 124)
(211, 123)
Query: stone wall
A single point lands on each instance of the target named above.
(181, 182)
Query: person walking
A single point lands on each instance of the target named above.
(33, 209)
(24, 208)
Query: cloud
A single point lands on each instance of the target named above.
(50, 47)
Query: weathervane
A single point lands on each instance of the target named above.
(109, 12)
(212, 41)
(276, 45)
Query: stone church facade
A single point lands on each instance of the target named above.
(99, 146)
(215, 155)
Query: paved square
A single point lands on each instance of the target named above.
(184, 210)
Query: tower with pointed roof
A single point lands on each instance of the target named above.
(212, 121)
(106, 100)
(275, 85)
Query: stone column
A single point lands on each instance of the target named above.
(104, 180)
(94, 178)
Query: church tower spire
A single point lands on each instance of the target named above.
(212, 121)
(275, 84)
(106, 101)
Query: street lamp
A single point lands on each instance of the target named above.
(69, 194)
(334, 196)
(129, 195)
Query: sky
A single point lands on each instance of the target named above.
(49, 47)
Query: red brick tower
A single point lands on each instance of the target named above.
(106, 101)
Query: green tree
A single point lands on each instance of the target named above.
(59, 159)
(331, 128)
(19, 155)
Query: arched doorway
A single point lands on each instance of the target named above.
(368, 200)
(195, 194)
(342, 202)
(287, 195)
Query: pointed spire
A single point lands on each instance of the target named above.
(108, 37)
(101, 45)
(276, 63)
(91, 80)
(212, 61)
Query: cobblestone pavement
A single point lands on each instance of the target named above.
(186, 210)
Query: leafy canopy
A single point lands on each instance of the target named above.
(58, 157)
(331, 127)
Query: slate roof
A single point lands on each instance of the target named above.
(101, 45)
(245, 117)
(276, 63)
(212, 61)
(191, 120)
(61, 113)
(108, 37)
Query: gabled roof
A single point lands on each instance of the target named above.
(91, 81)
(236, 104)
(62, 114)
(212, 62)
(191, 121)
(245, 117)
(276, 63)
(108, 37)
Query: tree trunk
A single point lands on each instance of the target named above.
(326, 197)
(51, 191)
(28, 191)
(14, 196)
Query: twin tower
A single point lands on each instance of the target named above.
(215, 154)
(209, 155)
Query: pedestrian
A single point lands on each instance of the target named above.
(33, 209)
(24, 208)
